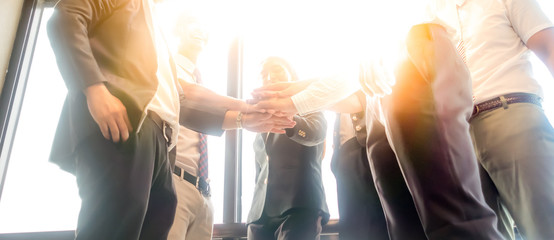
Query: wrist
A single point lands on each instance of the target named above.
(95, 89)
(238, 120)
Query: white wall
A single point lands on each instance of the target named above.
(10, 10)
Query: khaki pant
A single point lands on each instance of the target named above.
(515, 147)
(194, 215)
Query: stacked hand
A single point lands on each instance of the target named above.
(276, 98)
(266, 122)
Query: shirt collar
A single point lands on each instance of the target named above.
(184, 63)
(460, 2)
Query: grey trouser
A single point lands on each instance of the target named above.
(126, 188)
(515, 146)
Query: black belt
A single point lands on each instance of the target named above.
(510, 98)
(200, 183)
(166, 129)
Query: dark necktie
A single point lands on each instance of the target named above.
(203, 145)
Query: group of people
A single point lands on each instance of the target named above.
(453, 144)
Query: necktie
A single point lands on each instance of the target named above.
(462, 50)
(461, 45)
(203, 145)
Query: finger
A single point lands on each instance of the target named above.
(286, 93)
(389, 74)
(265, 94)
(281, 126)
(384, 87)
(254, 119)
(258, 107)
(374, 79)
(284, 114)
(123, 128)
(366, 79)
(273, 87)
(249, 108)
(282, 120)
(263, 116)
(381, 82)
(105, 130)
(266, 106)
(114, 130)
(253, 100)
(278, 131)
(128, 122)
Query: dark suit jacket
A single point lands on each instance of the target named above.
(289, 169)
(100, 41)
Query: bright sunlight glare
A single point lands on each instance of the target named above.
(318, 38)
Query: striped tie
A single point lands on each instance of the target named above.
(203, 161)
(462, 50)
(203, 145)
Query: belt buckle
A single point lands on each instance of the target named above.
(476, 110)
(164, 127)
(205, 189)
(207, 192)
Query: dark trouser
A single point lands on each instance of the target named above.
(426, 123)
(401, 215)
(295, 224)
(361, 215)
(126, 188)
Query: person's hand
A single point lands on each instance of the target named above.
(376, 77)
(281, 107)
(266, 122)
(108, 112)
(280, 90)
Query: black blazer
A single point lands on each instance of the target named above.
(101, 41)
(289, 169)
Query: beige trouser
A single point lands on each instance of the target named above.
(515, 147)
(194, 215)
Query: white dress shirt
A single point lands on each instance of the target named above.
(494, 34)
(166, 100)
(188, 151)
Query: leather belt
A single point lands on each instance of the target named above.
(200, 183)
(166, 129)
(510, 98)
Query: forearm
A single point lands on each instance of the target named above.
(202, 118)
(325, 92)
(309, 130)
(230, 121)
(350, 104)
(198, 93)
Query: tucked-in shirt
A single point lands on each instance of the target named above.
(166, 100)
(346, 129)
(188, 141)
(494, 34)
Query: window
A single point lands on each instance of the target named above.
(311, 39)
